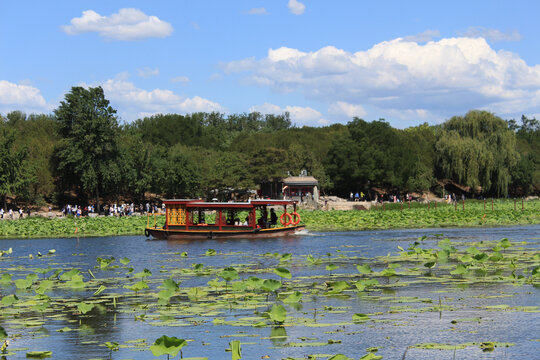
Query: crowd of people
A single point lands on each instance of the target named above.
(10, 214)
(113, 209)
(83, 211)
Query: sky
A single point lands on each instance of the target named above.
(324, 62)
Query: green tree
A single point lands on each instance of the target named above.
(526, 173)
(14, 171)
(175, 174)
(342, 165)
(477, 150)
(88, 150)
(418, 163)
(39, 134)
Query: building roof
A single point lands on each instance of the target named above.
(300, 180)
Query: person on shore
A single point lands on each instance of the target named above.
(1, 213)
(10, 212)
(20, 213)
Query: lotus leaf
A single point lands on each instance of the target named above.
(229, 274)
(84, 307)
(364, 269)
(271, 285)
(5, 280)
(170, 284)
(143, 274)
(359, 317)
(371, 356)
(9, 300)
(331, 267)
(282, 272)
(138, 286)
(293, 298)
(38, 354)
(235, 350)
(277, 314)
(167, 346)
(69, 274)
(336, 287)
(113, 346)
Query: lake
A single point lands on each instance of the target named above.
(417, 306)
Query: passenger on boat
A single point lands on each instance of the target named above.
(273, 218)
(262, 222)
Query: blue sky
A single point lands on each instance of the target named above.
(323, 62)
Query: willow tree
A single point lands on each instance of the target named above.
(477, 150)
(87, 155)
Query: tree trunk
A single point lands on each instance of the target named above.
(97, 199)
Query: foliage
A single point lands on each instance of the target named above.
(80, 151)
(15, 173)
(478, 151)
(167, 346)
(87, 153)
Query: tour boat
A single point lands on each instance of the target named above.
(196, 219)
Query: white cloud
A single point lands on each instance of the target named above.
(258, 11)
(127, 24)
(492, 35)
(445, 77)
(21, 97)
(343, 109)
(296, 7)
(300, 115)
(425, 36)
(134, 102)
(180, 79)
(147, 72)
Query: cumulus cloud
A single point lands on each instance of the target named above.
(128, 24)
(21, 97)
(296, 7)
(446, 77)
(258, 11)
(135, 102)
(147, 72)
(300, 115)
(343, 109)
(425, 36)
(492, 35)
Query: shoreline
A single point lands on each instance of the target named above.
(317, 220)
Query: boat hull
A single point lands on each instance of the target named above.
(164, 234)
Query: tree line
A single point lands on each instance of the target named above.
(81, 152)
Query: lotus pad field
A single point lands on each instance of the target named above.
(394, 216)
(409, 294)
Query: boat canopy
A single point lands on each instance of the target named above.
(194, 203)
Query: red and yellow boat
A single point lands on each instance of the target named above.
(196, 219)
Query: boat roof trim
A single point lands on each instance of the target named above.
(250, 204)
